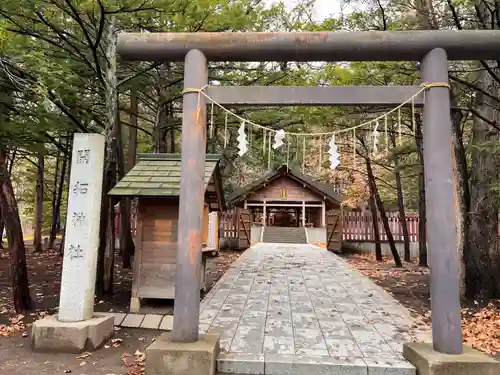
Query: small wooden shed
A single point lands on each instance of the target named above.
(155, 181)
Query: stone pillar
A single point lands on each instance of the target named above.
(440, 207)
(184, 351)
(191, 200)
(76, 327)
(76, 302)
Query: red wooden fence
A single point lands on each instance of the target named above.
(133, 220)
(229, 224)
(358, 226)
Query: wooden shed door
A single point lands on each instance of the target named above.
(244, 226)
(334, 230)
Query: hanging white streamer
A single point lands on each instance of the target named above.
(242, 140)
(375, 138)
(226, 136)
(278, 139)
(334, 155)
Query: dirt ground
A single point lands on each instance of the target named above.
(17, 358)
(410, 286)
(122, 356)
(44, 272)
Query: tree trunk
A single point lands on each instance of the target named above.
(37, 238)
(127, 246)
(106, 231)
(482, 263)
(56, 208)
(9, 166)
(126, 242)
(376, 230)
(132, 135)
(109, 243)
(159, 133)
(8, 204)
(402, 214)
(53, 220)
(106, 253)
(11, 160)
(61, 244)
(461, 182)
(422, 216)
(383, 215)
(2, 228)
(401, 203)
(172, 129)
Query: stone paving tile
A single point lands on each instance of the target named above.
(390, 367)
(167, 323)
(117, 316)
(279, 364)
(151, 321)
(298, 309)
(249, 364)
(279, 344)
(343, 348)
(133, 320)
(248, 339)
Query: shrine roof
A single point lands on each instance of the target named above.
(159, 175)
(319, 188)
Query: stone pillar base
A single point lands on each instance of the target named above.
(164, 357)
(429, 362)
(50, 334)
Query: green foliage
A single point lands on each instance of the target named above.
(53, 79)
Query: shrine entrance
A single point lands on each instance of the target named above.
(283, 217)
(432, 49)
(287, 198)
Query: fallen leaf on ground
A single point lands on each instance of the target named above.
(84, 355)
(125, 359)
(139, 356)
(481, 329)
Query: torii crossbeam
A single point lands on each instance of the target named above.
(432, 48)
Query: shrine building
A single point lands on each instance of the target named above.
(284, 199)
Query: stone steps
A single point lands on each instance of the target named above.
(284, 235)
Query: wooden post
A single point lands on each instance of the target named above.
(323, 214)
(264, 214)
(206, 218)
(303, 214)
(440, 206)
(191, 200)
(217, 234)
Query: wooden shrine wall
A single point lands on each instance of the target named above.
(285, 189)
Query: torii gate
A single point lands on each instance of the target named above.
(432, 48)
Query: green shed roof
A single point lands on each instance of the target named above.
(158, 175)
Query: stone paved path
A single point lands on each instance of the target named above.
(299, 309)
